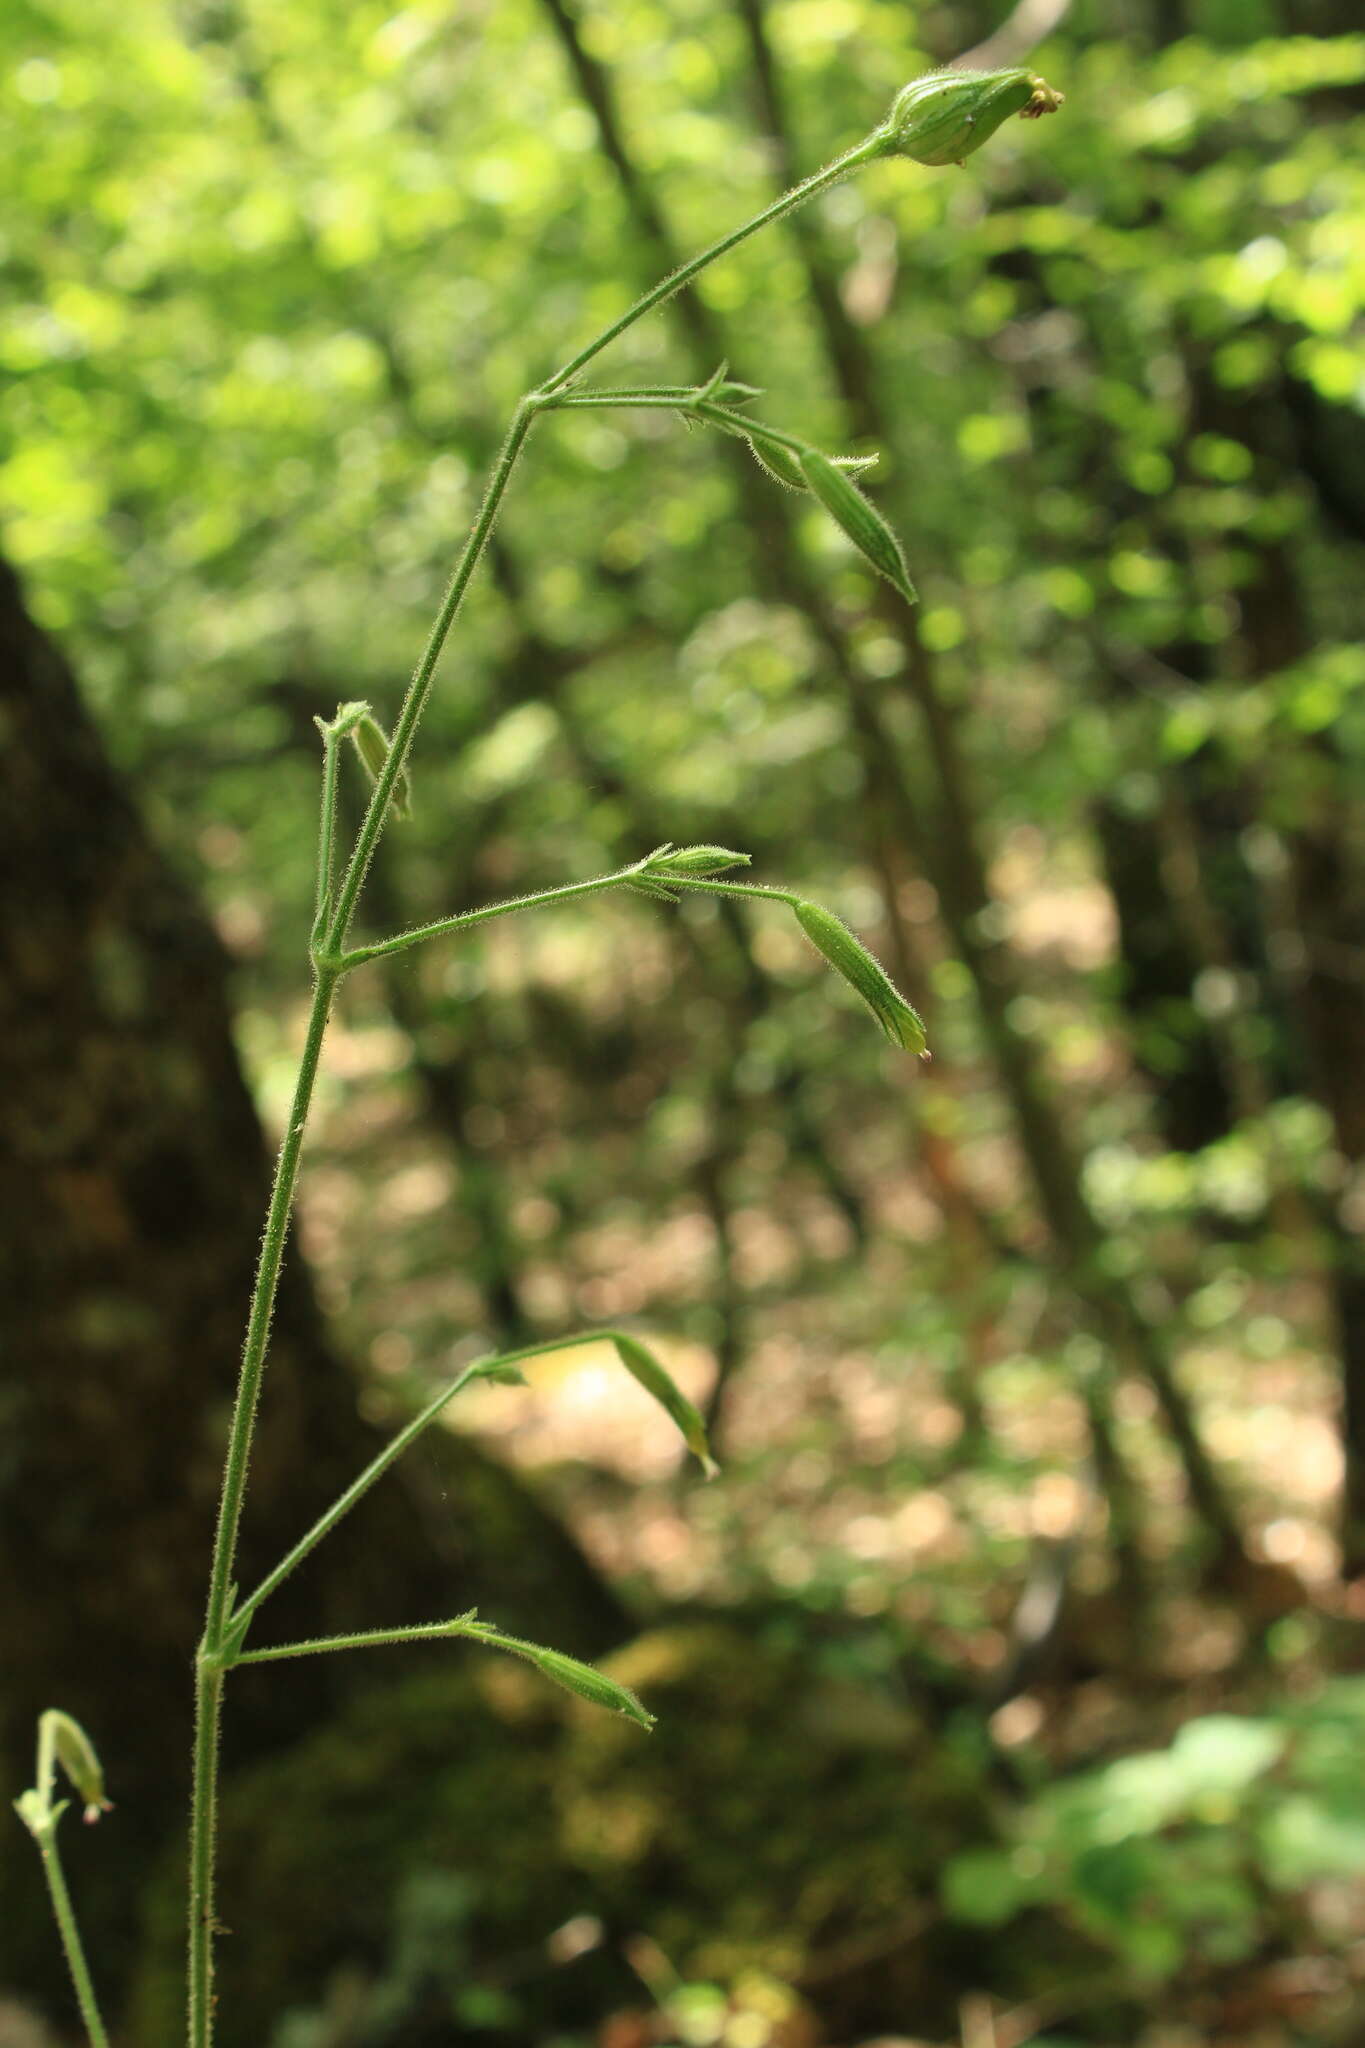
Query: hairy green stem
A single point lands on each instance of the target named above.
(391, 1452)
(344, 1502)
(716, 888)
(462, 919)
(863, 152)
(419, 689)
(209, 1667)
(367, 1639)
(64, 1913)
(330, 962)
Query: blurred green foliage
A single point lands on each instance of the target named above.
(1243, 1840)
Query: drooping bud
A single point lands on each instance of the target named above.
(75, 1752)
(944, 117)
(583, 1679)
(902, 1023)
(372, 745)
(645, 1368)
(860, 520)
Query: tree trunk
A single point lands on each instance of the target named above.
(133, 1176)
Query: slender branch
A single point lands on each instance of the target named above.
(368, 1639)
(330, 962)
(565, 893)
(262, 1306)
(209, 1682)
(344, 1502)
(675, 400)
(714, 888)
(392, 1451)
(419, 689)
(65, 1916)
(208, 1716)
(863, 152)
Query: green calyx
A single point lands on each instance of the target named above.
(944, 117)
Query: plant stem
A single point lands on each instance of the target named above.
(686, 402)
(344, 1502)
(64, 1913)
(419, 689)
(392, 1451)
(863, 152)
(462, 919)
(330, 962)
(711, 887)
(209, 1668)
(368, 1639)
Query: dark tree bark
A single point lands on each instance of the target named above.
(133, 1176)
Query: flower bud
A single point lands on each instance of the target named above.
(779, 463)
(372, 745)
(860, 520)
(944, 117)
(645, 1368)
(75, 1753)
(584, 1679)
(901, 1023)
(697, 861)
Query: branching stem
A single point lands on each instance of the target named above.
(463, 919)
(222, 1631)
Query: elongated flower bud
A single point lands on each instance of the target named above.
(645, 1368)
(860, 520)
(780, 464)
(584, 1679)
(944, 117)
(372, 745)
(696, 861)
(75, 1752)
(902, 1024)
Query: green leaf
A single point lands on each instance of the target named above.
(1306, 1841)
(860, 520)
(983, 1887)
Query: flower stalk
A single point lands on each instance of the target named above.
(938, 120)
